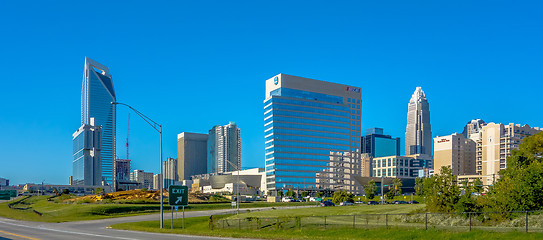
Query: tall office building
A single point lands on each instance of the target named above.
(376, 144)
(191, 155)
(494, 145)
(418, 133)
(224, 149)
(472, 128)
(87, 147)
(170, 172)
(454, 151)
(312, 134)
(96, 96)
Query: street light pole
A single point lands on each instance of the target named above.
(158, 128)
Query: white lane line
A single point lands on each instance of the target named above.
(70, 232)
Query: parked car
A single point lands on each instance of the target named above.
(372, 203)
(286, 199)
(413, 202)
(327, 203)
(400, 202)
(359, 202)
(346, 203)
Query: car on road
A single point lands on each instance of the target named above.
(359, 202)
(346, 203)
(286, 199)
(327, 203)
(372, 203)
(413, 202)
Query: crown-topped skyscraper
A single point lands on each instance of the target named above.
(418, 133)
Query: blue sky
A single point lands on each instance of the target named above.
(193, 64)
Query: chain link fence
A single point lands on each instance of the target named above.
(528, 221)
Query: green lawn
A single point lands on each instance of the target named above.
(200, 226)
(53, 210)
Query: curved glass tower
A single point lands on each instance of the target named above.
(96, 96)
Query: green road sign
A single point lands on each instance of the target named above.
(12, 193)
(5, 196)
(178, 195)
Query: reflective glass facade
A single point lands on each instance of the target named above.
(96, 97)
(304, 126)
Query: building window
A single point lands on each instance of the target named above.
(358, 101)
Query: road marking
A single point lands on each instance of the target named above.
(17, 235)
(57, 230)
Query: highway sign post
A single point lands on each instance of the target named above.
(178, 196)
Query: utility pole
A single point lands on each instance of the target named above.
(382, 185)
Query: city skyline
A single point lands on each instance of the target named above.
(463, 55)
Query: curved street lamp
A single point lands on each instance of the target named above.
(158, 128)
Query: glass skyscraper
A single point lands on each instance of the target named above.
(224, 149)
(312, 134)
(96, 96)
(376, 144)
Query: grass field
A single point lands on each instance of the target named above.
(200, 226)
(47, 209)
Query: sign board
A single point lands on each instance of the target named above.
(178, 195)
(12, 193)
(176, 208)
(234, 204)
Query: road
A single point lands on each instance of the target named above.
(97, 229)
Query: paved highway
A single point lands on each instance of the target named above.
(97, 229)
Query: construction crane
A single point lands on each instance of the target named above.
(127, 134)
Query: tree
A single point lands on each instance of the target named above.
(98, 191)
(320, 194)
(290, 193)
(65, 191)
(342, 196)
(441, 191)
(370, 189)
(419, 186)
(280, 193)
(304, 194)
(520, 186)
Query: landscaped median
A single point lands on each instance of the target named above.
(57, 209)
(273, 230)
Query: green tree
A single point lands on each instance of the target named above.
(65, 191)
(304, 194)
(320, 194)
(290, 193)
(441, 191)
(520, 186)
(280, 193)
(342, 196)
(99, 191)
(478, 186)
(419, 186)
(370, 189)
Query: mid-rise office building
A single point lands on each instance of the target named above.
(418, 133)
(96, 96)
(87, 147)
(145, 179)
(224, 148)
(377, 144)
(191, 155)
(311, 126)
(122, 169)
(401, 166)
(494, 145)
(454, 151)
(170, 172)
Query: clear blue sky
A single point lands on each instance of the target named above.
(193, 64)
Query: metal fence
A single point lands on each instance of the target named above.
(528, 221)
